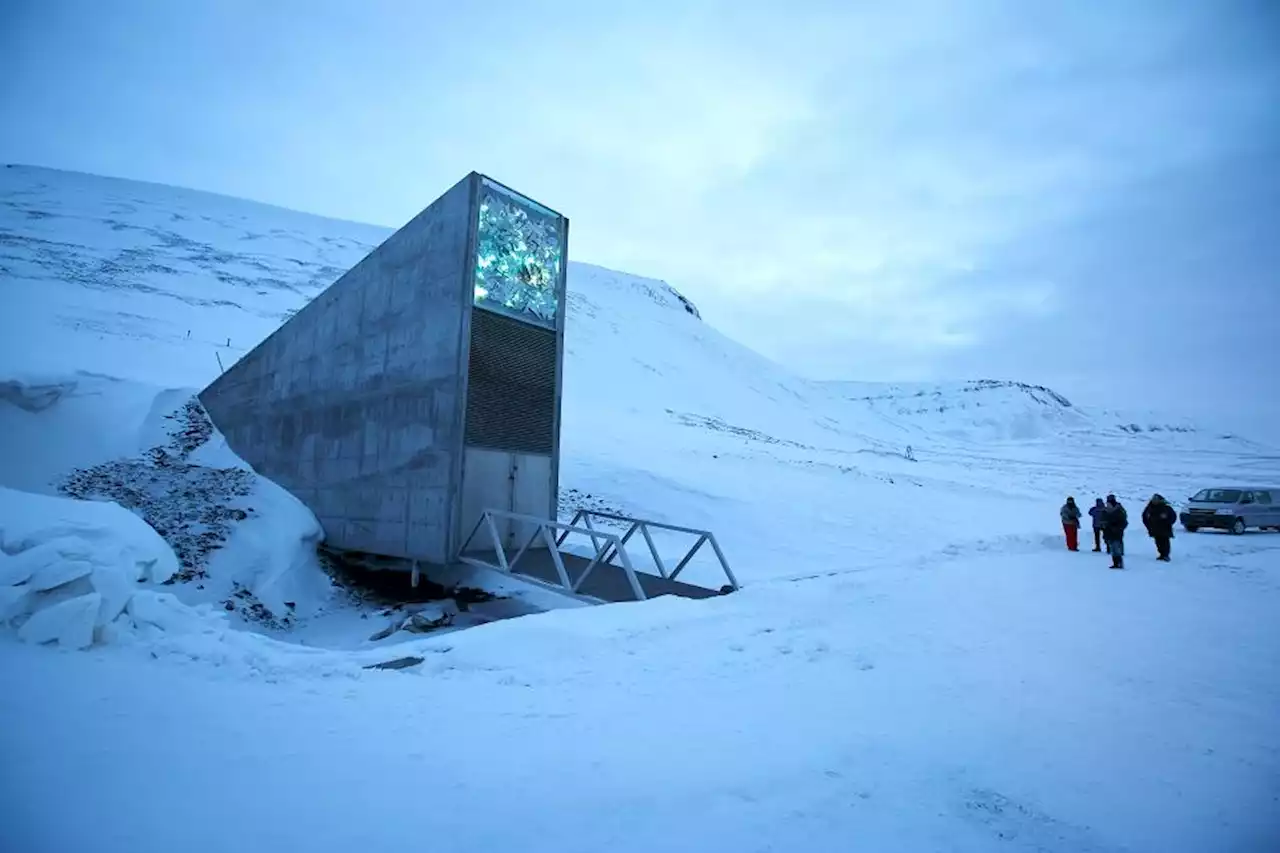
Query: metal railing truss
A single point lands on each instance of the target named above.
(606, 547)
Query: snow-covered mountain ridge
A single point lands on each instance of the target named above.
(167, 286)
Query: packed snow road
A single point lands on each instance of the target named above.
(1008, 696)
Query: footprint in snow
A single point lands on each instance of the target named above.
(1010, 820)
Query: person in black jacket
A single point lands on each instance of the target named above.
(1114, 523)
(1159, 518)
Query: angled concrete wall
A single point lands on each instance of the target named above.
(355, 405)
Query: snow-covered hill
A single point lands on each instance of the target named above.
(163, 287)
(914, 661)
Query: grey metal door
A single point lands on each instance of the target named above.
(487, 483)
(530, 493)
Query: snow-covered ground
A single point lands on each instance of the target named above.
(914, 663)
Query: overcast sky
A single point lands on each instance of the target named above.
(1085, 195)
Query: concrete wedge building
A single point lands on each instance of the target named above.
(423, 386)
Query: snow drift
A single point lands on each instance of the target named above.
(238, 539)
(80, 572)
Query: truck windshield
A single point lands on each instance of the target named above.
(1217, 496)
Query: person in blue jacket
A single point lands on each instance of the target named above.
(1097, 513)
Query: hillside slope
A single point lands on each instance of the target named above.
(150, 287)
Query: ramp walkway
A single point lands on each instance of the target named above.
(609, 575)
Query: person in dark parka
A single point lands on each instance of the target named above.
(1159, 518)
(1097, 512)
(1114, 523)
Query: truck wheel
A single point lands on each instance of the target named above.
(1237, 526)
(1191, 528)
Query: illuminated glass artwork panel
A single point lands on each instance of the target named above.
(519, 254)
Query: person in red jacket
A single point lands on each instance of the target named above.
(1071, 514)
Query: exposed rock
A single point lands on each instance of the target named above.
(191, 506)
(34, 397)
(420, 622)
(398, 663)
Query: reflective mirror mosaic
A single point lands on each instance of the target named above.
(519, 253)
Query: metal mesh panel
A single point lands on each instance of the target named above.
(511, 385)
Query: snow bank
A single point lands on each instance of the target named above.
(272, 553)
(51, 424)
(238, 538)
(241, 541)
(73, 572)
(42, 525)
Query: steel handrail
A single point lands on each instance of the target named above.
(543, 528)
(642, 525)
